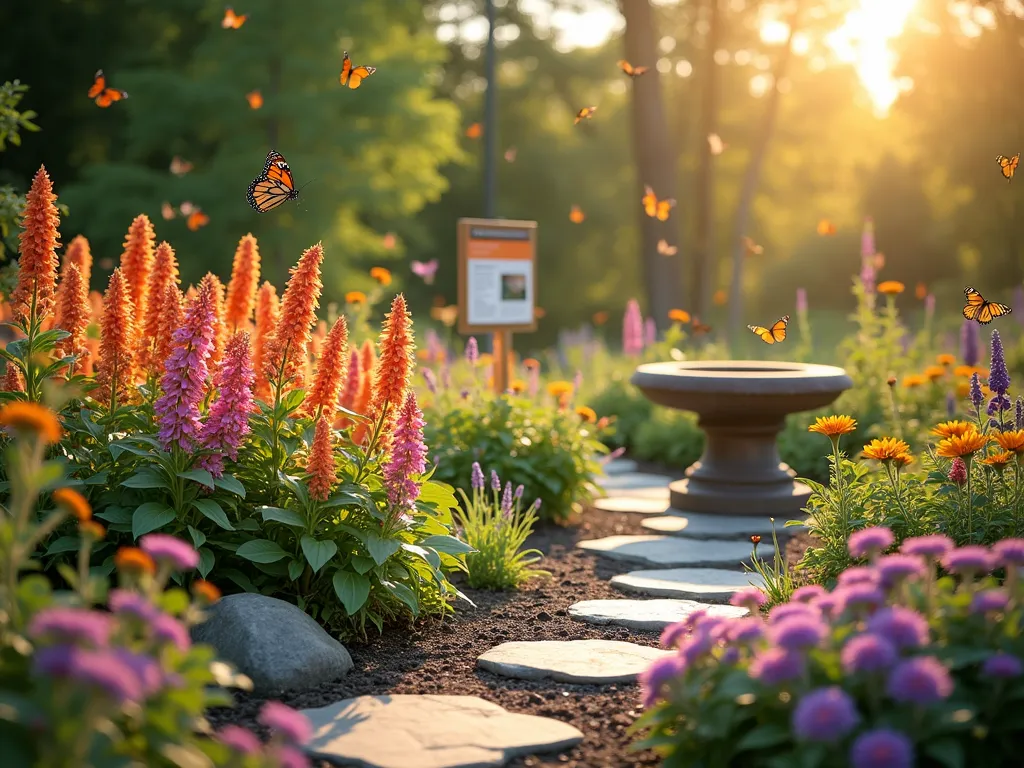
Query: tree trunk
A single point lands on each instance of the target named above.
(655, 159)
(704, 261)
(752, 178)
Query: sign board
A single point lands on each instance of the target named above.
(497, 275)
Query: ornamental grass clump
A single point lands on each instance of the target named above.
(902, 664)
(495, 525)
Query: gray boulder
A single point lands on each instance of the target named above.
(272, 642)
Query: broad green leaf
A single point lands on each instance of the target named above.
(126, 445)
(380, 549)
(361, 564)
(404, 594)
(352, 589)
(295, 569)
(447, 544)
(231, 484)
(763, 736)
(198, 537)
(293, 400)
(238, 578)
(151, 516)
(100, 478)
(199, 475)
(120, 515)
(429, 555)
(318, 553)
(261, 551)
(146, 478)
(211, 510)
(63, 544)
(286, 516)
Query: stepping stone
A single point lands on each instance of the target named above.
(696, 525)
(711, 585)
(649, 615)
(675, 552)
(633, 480)
(659, 492)
(600, 662)
(639, 504)
(620, 467)
(433, 731)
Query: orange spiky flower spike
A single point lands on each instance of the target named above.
(245, 280)
(78, 252)
(115, 370)
(322, 473)
(288, 346)
(330, 373)
(164, 274)
(137, 262)
(361, 404)
(171, 317)
(394, 369)
(37, 265)
(268, 314)
(73, 315)
(220, 339)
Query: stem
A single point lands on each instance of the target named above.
(970, 501)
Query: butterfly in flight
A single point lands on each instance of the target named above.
(255, 99)
(274, 186)
(180, 167)
(698, 327)
(167, 211)
(1007, 165)
(510, 155)
(196, 220)
(715, 144)
(751, 248)
(667, 250)
(826, 227)
(982, 311)
(773, 335)
(186, 208)
(104, 96)
(475, 131)
(576, 215)
(630, 70)
(584, 114)
(354, 76)
(426, 270)
(232, 20)
(654, 207)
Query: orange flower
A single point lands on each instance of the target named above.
(998, 460)
(78, 253)
(137, 262)
(255, 99)
(72, 502)
(921, 290)
(268, 314)
(933, 372)
(37, 265)
(833, 426)
(320, 465)
(531, 363)
(205, 592)
(396, 364)
(115, 370)
(288, 345)
(600, 318)
(966, 371)
(23, 416)
(220, 339)
(13, 380)
(134, 560)
(720, 298)
(245, 281)
(367, 363)
(91, 529)
(170, 317)
(381, 275)
(164, 274)
(950, 428)
(891, 287)
(886, 449)
(1012, 441)
(331, 367)
(945, 359)
(963, 389)
(72, 315)
(959, 446)
(679, 316)
(912, 381)
(587, 414)
(560, 388)
(518, 386)
(903, 459)
(355, 297)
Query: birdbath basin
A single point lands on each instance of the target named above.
(742, 406)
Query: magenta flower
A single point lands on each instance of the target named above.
(858, 574)
(870, 541)
(408, 458)
(472, 351)
(920, 680)
(798, 633)
(183, 384)
(857, 596)
(650, 332)
(958, 471)
(789, 610)
(425, 270)
(882, 748)
(178, 554)
(239, 739)
(867, 653)
(1009, 551)
(168, 629)
(970, 343)
(903, 627)
(654, 679)
(71, 625)
(969, 560)
(990, 601)
(125, 601)
(290, 757)
(933, 545)
(776, 665)
(672, 634)
(895, 568)
(147, 670)
(808, 593)
(632, 329)
(801, 300)
(105, 671)
(1002, 665)
(294, 726)
(745, 631)
(750, 598)
(228, 423)
(825, 715)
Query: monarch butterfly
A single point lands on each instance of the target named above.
(773, 335)
(982, 311)
(826, 227)
(180, 167)
(654, 207)
(186, 208)
(584, 114)
(354, 76)
(196, 220)
(576, 215)
(630, 70)
(104, 96)
(255, 99)
(667, 250)
(274, 186)
(232, 20)
(1007, 165)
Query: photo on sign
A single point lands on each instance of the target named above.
(513, 287)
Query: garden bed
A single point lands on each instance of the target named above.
(441, 658)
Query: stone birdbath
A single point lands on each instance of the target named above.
(742, 406)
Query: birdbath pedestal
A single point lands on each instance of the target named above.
(742, 406)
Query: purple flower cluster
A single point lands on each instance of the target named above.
(869, 541)
(117, 674)
(228, 421)
(472, 350)
(477, 477)
(180, 555)
(408, 458)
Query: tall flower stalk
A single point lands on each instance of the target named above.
(245, 280)
(268, 314)
(72, 316)
(163, 275)
(330, 373)
(228, 421)
(137, 262)
(407, 461)
(115, 370)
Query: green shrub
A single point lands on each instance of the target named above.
(669, 437)
(628, 409)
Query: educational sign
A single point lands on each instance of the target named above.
(497, 275)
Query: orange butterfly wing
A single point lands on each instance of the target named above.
(196, 220)
(359, 74)
(274, 186)
(99, 84)
(665, 208)
(1008, 165)
(649, 201)
(109, 96)
(278, 170)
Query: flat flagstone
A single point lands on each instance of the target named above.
(659, 492)
(620, 467)
(571, 661)
(639, 504)
(710, 585)
(674, 551)
(431, 731)
(696, 525)
(633, 480)
(649, 615)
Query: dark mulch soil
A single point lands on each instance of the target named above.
(440, 658)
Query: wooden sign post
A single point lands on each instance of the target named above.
(497, 284)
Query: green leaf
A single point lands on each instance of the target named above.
(380, 549)
(211, 510)
(286, 516)
(439, 494)
(126, 445)
(120, 515)
(447, 544)
(318, 553)
(404, 594)
(295, 568)
(361, 564)
(199, 475)
(198, 537)
(231, 484)
(429, 555)
(63, 544)
(261, 551)
(352, 589)
(763, 736)
(946, 752)
(293, 400)
(146, 478)
(100, 478)
(151, 516)
(238, 578)
(206, 561)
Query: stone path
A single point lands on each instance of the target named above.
(674, 551)
(645, 615)
(620, 467)
(405, 731)
(695, 525)
(596, 662)
(632, 481)
(645, 505)
(710, 585)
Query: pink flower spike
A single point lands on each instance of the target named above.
(228, 422)
(408, 457)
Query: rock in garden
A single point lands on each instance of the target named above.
(620, 467)
(595, 662)
(632, 480)
(695, 525)
(274, 643)
(710, 585)
(646, 615)
(644, 505)
(675, 552)
(433, 731)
